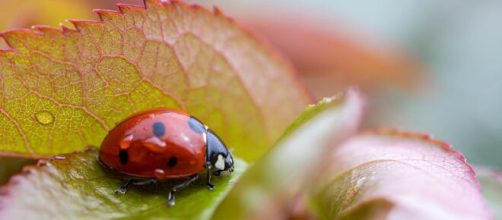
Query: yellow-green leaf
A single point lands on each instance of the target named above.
(63, 90)
(76, 186)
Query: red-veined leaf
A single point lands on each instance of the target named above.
(63, 90)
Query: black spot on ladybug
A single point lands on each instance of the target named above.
(172, 162)
(158, 129)
(196, 125)
(123, 157)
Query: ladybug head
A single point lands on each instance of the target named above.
(218, 155)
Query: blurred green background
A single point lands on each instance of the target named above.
(430, 66)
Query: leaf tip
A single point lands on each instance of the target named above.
(148, 3)
(103, 14)
(67, 29)
(46, 29)
(83, 24)
(124, 8)
(217, 11)
(11, 35)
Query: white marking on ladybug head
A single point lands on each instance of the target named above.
(220, 162)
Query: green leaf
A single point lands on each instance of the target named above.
(63, 90)
(76, 186)
(272, 185)
(491, 185)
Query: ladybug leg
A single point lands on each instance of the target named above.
(123, 189)
(144, 182)
(209, 185)
(170, 199)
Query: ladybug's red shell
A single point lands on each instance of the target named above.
(157, 144)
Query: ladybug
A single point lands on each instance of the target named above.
(164, 144)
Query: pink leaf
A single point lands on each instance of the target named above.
(420, 177)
